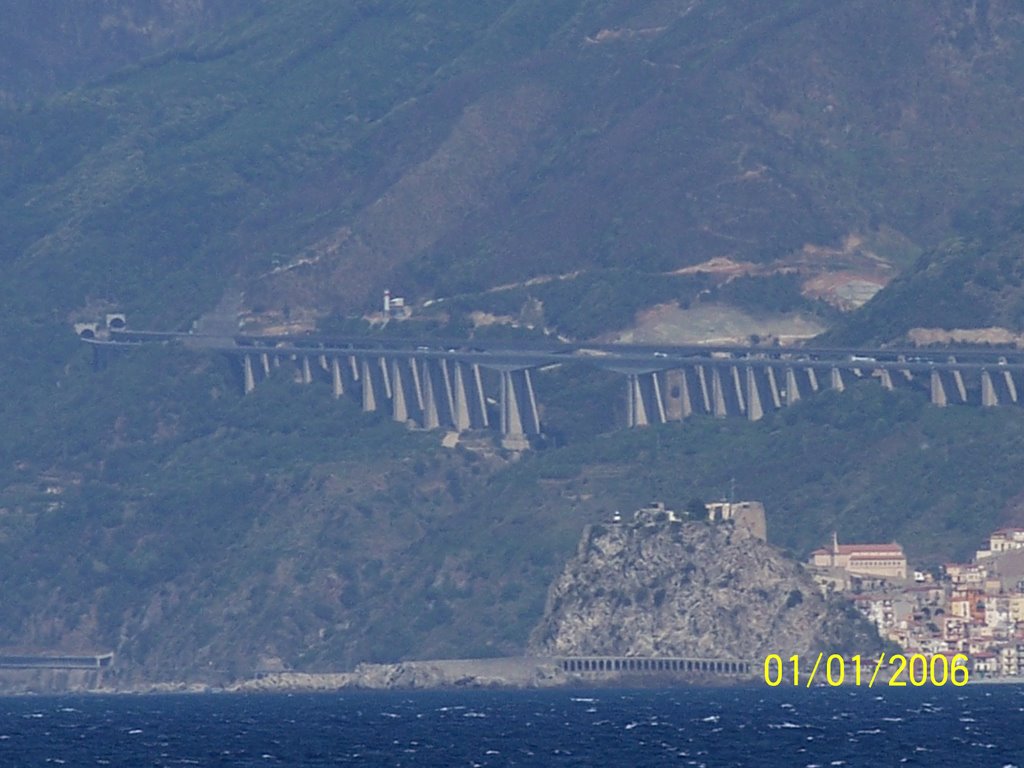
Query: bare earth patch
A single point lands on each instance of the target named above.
(845, 290)
(846, 276)
(715, 324)
(925, 336)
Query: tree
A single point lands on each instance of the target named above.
(696, 510)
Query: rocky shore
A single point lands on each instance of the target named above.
(516, 672)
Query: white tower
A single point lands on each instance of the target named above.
(387, 301)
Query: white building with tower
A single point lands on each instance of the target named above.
(882, 560)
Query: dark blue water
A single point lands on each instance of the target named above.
(974, 726)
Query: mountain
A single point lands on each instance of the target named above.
(50, 45)
(441, 152)
(967, 289)
(560, 164)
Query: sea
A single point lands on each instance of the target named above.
(978, 725)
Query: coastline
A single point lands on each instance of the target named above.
(996, 681)
(504, 673)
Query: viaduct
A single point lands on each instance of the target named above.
(599, 666)
(463, 386)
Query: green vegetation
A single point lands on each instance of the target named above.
(772, 294)
(961, 284)
(444, 151)
(586, 305)
(307, 529)
(236, 151)
(870, 464)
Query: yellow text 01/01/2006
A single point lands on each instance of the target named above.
(834, 670)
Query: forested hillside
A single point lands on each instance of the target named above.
(564, 164)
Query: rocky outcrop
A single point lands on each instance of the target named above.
(692, 590)
(514, 672)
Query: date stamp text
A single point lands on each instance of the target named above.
(897, 670)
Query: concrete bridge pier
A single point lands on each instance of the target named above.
(678, 404)
(385, 376)
(417, 383)
(375, 388)
(957, 380)
(644, 403)
(306, 371)
(337, 381)
(836, 379)
(463, 420)
(719, 407)
(998, 387)
(958, 383)
(369, 396)
(773, 388)
(519, 417)
(938, 390)
(754, 410)
(792, 388)
(636, 408)
(470, 408)
(1011, 386)
(885, 378)
(399, 407)
(948, 387)
(265, 363)
(248, 379)
(405, 400)
(812, 379)
(738, 393)
(478, 401)
(703, 390)
(658, 398)
(440, 383)
(444, 387)
(989, 398)
(431, 407)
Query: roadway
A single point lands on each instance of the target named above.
(538, 353)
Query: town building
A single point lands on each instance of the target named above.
(881, 560)
(1003, 540)
(971, 609)
(743, 514)
(965, 575)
